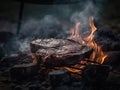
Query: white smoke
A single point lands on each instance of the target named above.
(24, 45)
(51, 25)
(47, 27)
(89, 9)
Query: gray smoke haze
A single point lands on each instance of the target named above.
(50, 26)
(7, 26)
(83, 16)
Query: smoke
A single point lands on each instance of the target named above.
(89, 9)
(83, 16)
(24, 45)
(51, 25)
(48, 27)
(7, 26)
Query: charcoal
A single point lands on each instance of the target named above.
(13, 59)
(34, 87)
(12, 86)
(64, 87)
(95, 74)
(18, 88)
(23, 71)
(59, 52)
(113, 59)
(76, 84)
(114, 77)
(59, 77)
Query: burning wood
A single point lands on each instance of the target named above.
(69, 52)
(80, 56)
(97, 54)
(59, 77)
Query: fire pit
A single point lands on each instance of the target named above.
(73, 62)
(80, 56)
(58, 47)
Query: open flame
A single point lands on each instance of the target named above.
(98, 55)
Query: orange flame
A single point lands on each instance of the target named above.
(75, 34)
(97, 54)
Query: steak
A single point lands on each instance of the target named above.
(59, 52)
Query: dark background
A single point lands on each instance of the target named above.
(46, 21)
(9, 9)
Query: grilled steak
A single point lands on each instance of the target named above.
(57, 52)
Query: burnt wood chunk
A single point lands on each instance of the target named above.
(95, 74)
(59, 77)
(34, 87)
(57, 52)
(114, 76)
(23, 71)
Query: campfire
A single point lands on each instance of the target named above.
(57, 62)
(73, 54)
(60, 46)
(98, 55)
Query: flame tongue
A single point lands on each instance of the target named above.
(97, 54)
(75, 34)
(97, 57)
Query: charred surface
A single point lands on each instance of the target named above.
(59, 52)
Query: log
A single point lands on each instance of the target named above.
(59, 52)
(23, 71)
(59, 77)
(34, 87)
(95, 74)
(114, 77)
